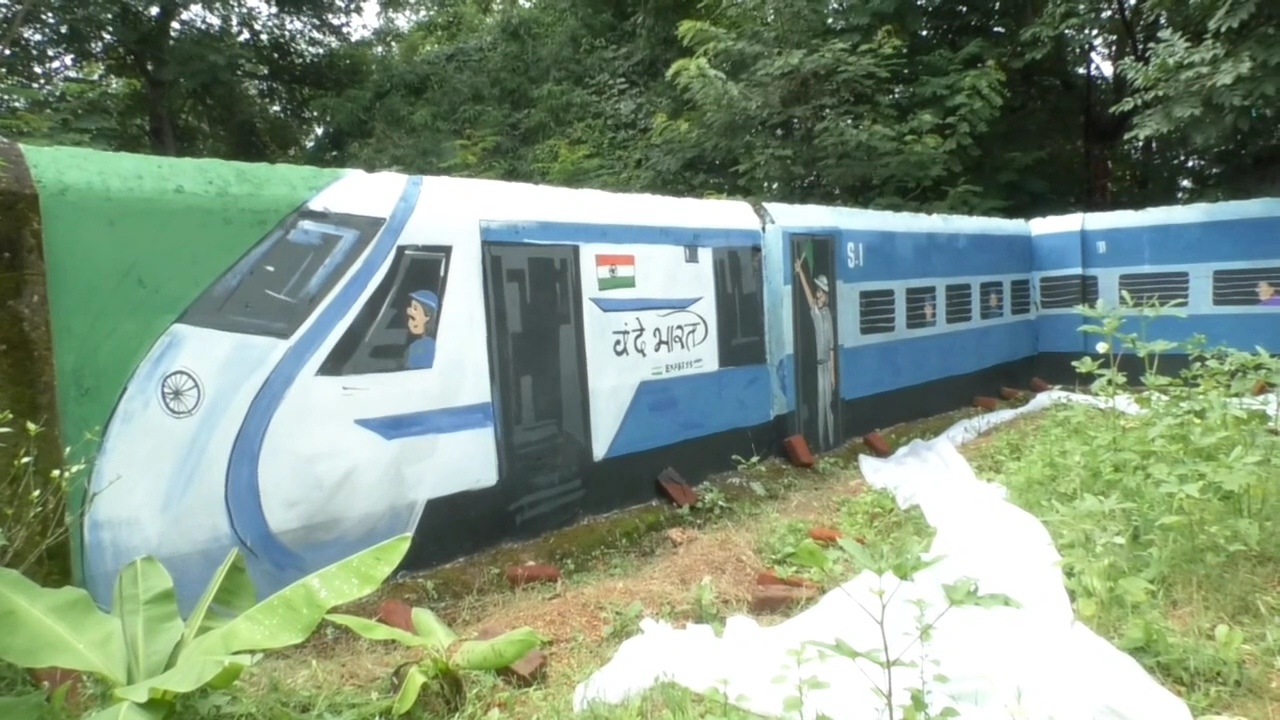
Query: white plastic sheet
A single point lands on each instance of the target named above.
(1034, 662)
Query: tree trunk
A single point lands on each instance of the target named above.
(159, 118)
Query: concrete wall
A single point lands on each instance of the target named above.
(102, 253)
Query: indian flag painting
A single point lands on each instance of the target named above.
(615, 272)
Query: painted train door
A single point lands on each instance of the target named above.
(816, 341)
(539, 378)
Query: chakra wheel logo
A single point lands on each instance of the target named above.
(180, 394)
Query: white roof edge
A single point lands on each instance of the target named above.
(860, 219)
(1184, 214)
(500, 201)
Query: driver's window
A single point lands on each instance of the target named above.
(396, 329)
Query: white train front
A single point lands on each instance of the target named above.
(342, 373)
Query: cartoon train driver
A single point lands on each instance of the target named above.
(423, 306)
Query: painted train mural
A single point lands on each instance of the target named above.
(476, 361)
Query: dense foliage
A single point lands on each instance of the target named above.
(1016, 107)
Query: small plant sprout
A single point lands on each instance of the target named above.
(445, 658)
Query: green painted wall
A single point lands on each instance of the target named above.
(129, 242)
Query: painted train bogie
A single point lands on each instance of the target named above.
(476, 361)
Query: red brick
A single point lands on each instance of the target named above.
(769, 577)
(797, 449)
(1038, 385)
(524, 672)
(520, 575)
(1009, 393)
(774, 598)
(395, 613)
(824, 536)
(676, 489)
(878, 445)
(986, 403)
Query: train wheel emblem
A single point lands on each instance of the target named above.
(180, 394)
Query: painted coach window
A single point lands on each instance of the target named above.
(992, 298)
(1065, 292)
(1019, 297)
(275, 287)
(1161, 288)
(922, 307)
(876, 314)
(959, 303)
(739, 307)
(1247, 286)
(396, 328)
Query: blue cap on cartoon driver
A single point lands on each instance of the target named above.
(426, 299)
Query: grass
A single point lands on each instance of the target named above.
(1162, 555)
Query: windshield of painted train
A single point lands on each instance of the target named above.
(274, 288)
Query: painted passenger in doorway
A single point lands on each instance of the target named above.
(929, 311)
(824, 337)
(421, 354)
(1267, 294)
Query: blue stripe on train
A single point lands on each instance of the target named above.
(1055, 251)
(1060, 332)
(1221, 241)
(889, 255)
(243, 485)
(611, 305)
(1188, 244)
(583, 233)
(439, 421)
(1244, 331)
(880, 367)
(669, 410)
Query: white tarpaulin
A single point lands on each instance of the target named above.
(1033, 662)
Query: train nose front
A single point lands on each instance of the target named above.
(157, 486)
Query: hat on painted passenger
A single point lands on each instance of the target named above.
(426, 299)
(821, 282)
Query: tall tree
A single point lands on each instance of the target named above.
(1211, 87)
(838, 103)
(221, 78)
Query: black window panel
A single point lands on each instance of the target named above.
(1091, 290)
(922, 307)
(1063, 292)
(991, 299)
(877, 312)
(1019, 297)
(1244, 287)
(1158, 287)
(739, 306)
(959, 303)
(286, 276)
